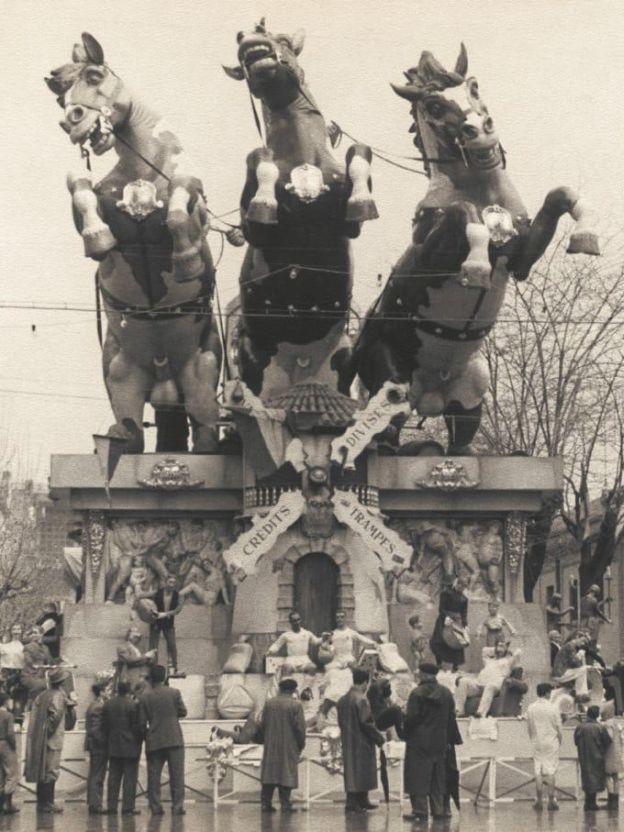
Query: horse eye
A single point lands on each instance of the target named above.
(435, 110)
(474, 89)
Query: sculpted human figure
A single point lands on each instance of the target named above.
(592, 612)
(344, 640)
(297, 641)
(498, 663)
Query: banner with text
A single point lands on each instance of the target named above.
(392, 551)
(245, 552)
(389, 402)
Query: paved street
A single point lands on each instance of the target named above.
(517, 817)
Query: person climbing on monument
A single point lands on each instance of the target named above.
(494, 626)
(297, 642)
(168, 604)
(37, 657)
(50, 622)
(592, 612)
(132, 663)
(449, 634)
(498, 662)
(571, 666)
(554, 613)
(344, 640)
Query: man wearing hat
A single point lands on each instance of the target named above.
(358, 736)
(46, 732)
(429, 729)
(283, 731)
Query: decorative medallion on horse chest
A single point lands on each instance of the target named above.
(499, 223)
(139, 199)
(306, 181)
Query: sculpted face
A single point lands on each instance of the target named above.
(17, 631)
(500, 649)
(451, 120)
(295, 622)
(94, 101)
(340, 619)
(269, 64)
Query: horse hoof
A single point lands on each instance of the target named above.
(263, 212)
(475, 274)
(187, 265)
(584, 243)
(360, 210)
(98, 240)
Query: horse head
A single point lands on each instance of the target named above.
(269, 64)
(94, 99)
(451, 121)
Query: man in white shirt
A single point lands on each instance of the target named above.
(544, 727)
(297, 642)
(498, 663)
(344, 640)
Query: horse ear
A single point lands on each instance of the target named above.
(407, 91)
(461, 67)
(234, 72)
(95, 53)
(297, 40)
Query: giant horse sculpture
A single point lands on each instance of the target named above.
(471, 231)
(145, 222)
(299, 208)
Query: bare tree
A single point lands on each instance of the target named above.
(556, 360)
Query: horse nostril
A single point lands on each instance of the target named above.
(488, 124)
(76, 114)
(469, 131)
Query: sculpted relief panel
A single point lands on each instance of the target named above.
(143, 552)
(443, 549)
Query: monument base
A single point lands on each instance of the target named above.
(94, 631)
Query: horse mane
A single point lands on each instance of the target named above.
(64, 77)
(431, 76)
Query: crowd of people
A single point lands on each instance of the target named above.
(134, 706)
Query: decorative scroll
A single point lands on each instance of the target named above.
(392, 551)
(96, 538)
(245, 553)
(515, 540)
(331, 750)
(389, 402)
(448, 476)
(220, 753)
(170, 475)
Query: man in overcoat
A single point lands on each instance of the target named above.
(592, 741)
(283, 730)
(358, 736)
(428, 729)
(160, 710)
(122, 729)
(96, 746)
(46, 732)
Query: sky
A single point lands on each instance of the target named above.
(551, 73)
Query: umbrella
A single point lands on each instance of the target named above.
(383, 775)
(452, 775)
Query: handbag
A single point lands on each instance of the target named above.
(455, 636)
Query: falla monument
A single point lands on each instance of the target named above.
(296, 496)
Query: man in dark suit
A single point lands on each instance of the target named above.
(168, 605)
(122, 729)
(429, 728)
(160, 710)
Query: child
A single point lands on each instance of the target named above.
(8, 758)
(613, 761)
(494, 626)
(418, 642)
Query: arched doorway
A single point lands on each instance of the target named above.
(316, 591)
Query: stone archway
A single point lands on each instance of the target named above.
(315, 591)
(344, 598)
